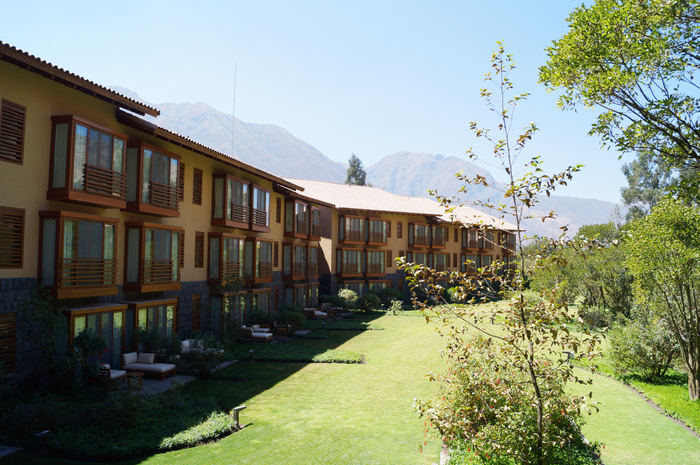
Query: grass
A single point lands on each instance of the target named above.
(323, 413)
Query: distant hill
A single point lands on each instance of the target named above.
(274, 149)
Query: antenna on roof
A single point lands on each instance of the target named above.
(233, 116)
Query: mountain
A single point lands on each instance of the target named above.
(274, 149)
(265, 146)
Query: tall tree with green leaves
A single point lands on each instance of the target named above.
(635, 60)
(648, 182)
(356, 172)
(664, 258)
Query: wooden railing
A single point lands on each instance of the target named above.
(301, 227)
(105, 182)
(376, 237)
(440, 267)
(259, 217)
(298, 269)
(312, 269)
(263, 270)
(349, 268)
(157, 271)
(375, 268)
(439, 241)
(75, 272)
(352, 235)
(421, 240)
(231, 269)
(240, 213)
(316, 230)
(164, 195)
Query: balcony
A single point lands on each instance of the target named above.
(376, 237)
(439, 242)
(421, 241)
(82, 277)
(315, 232)
(350, 269)
(312, 271)
(164, 196)
(354, 236)
(263, 272)
(232, 269)
(375, 269)
(240, 213)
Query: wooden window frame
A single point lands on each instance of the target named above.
(226, 268)
(181, 251)
(399, 229)
(255, 216)
(312, 268)
(434, 259)
(262, 272)
(77, 277)
(138, 305)
(297, 267)
(74, 313)
(370, 282)
(197, 186)
(13, 119)
(470, 239)
(241, 215)
(276, 254)
(423, 243)
(357, 236)
(435, 241)
(360, 284)
(278, 212)
(299, 229)
(373, 236)
(101, 187)
(143, 282)
(389, 259)
(12, 225)
(341, 267)
(380, 270)
(315, 230)
(295, 288)
(181, 182)
(253, 299)
(166, 202)
(311, 296)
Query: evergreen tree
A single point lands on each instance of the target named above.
(356, 173)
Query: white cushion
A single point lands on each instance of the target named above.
(128, 359)
(152, 367)
(114, 374)
(185, 344)
(147, 358)
(105, 366)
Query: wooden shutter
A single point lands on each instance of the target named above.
(199, 250)
(388, 229)
(11, 237)
(389, 258)
(456, 235)
(197, 186)
(447, 260)
(278, 217)
(181, 181)
(181, 255)
(197, 312)
(7, 342)
(276, 254)
(399, 229)
(455, 263)
(12, 119)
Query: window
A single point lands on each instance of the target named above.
(469, 239)
(12, 119)
(151, 254)
(440, 261)
(351, 229)
(260, 301)
(315, 232)
(388, 229)
(469, 263)
(153, 180)
(8, 336)
(199, 249)
(107, 321)
(258, 260)
(349, 262)
(226, 254)
(439, 236)
(197, 312)
(485, 261)
(389, 259)
(377, 286)
(399, 229)
(357, 286)
(375, 262)
(77, 254)
(296, 295)
(312, 295)
(486, 240)
(87, 164)
(261, 209)
(294, 261)
(419, 258)
(296, 219)
(418, 235)
(456, 238)
(455, 263)
(157, 317)
(377, 232)
(231, 206)
(181, 183)
(228, 308)
(11, 237)
(312, 268)
(508, 242)
(197, 179)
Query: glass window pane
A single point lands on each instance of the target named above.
(105, 153)
(70, 232)
(214, 272)
(146, 181)
(118, 156)
(143, 320)
(132, 255)
(108, 253)
(80, 156)
(170, 321)
(175, 244)
(48, 256)
(93, 147)
(60, 158)
(117, 339)
(79, 324)
(173, 172)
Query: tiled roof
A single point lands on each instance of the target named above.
(48, 70)
(350, 197)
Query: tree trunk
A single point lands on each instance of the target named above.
(693, 384)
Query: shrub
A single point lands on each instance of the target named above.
(203, 362)
(647, 350)
(595, 318)
(389, 294)
(258, 317)
(349, 298)
(369, 302)
(292, 316)
(396, 307)
(334, 300)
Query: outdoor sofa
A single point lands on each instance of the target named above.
(145, 363)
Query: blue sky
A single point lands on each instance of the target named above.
(369, 77)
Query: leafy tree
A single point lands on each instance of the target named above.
(648, 182)
(664, 258)
(356, 173)
(504, 391)
(634, 59)
(85, 346)
(641, 347)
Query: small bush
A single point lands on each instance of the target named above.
(203, 362)
(369, 302)
(349, 298)
(389, 294)
(396, 307)
(647, 350)
(258, 318)
(292, 316)
(595, 318)
(337, 356)
(334, 300)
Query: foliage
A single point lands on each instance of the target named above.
(86, 345)
(664, 258)
(259, 317)
(645, 349)
(504, 390)
(396, 307)
(294, 354)
(202, 362)
(648, 182)
(131, 425)
(349, 298)
(292, 316)
(389, 295)
(595, 318)
(334, 300)
(356, 173)
(368, 302)
(634, 59)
